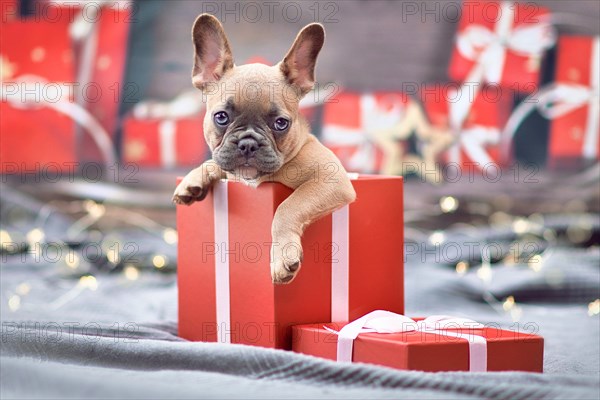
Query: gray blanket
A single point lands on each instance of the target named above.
(116, 338)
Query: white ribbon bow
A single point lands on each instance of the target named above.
(488, 48)
(388, 322)
(373, 119)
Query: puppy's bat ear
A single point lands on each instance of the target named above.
(212, 56)
(298, 66)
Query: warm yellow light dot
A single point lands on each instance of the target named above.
(94, 209)
(485, 273)
(594, 308)
(508, 303)
(72, 260)
(113, 256)
(5, 239)
(462, 267)
(14, 302)
(535, 263)
(437, 237)
(520, 226)
(159, 261)
(448, 204)
(131, 272)
(35, 236)
(170, 235)
(88, 282)
(23, 289)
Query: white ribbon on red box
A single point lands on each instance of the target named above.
(339, 270)
(559, 99)
(472, 140)
(373, 119)
(388, 322)
(488, 48)
(167, 131)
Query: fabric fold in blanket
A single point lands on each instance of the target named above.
(105, 367)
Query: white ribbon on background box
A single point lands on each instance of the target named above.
(559, 99)
(372, 119)
(472, 140)
(167, 131)
(385, 322)
(339, 267)
(488, 48)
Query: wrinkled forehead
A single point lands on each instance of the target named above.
(254, 87)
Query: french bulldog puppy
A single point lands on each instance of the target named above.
(256, 134)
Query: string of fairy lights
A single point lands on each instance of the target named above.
(112, 251)
(85, 251)
(533, 239)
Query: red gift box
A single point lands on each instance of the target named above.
(37, 71)
(575, 128)
(353, 263)
(100, 33)
(355, 126)
(164, 143)
(501, 43)
(478, 132)
(433, 344)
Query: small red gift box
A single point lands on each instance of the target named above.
(352, 263)
(477, 143)
(37, 71)
(164, 143)
(501, 43)
(355, 125)
(437, 343)
(575, 112)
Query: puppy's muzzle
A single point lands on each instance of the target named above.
(247, 147)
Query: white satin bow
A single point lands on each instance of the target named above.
(386, 322)
(488, 48)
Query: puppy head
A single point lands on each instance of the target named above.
(252, 123)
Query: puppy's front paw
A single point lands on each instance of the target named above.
(286, 258)
(188, 192)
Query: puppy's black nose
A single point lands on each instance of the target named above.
(247, 147)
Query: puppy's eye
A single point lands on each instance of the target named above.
(221, 118)
(281, 124)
